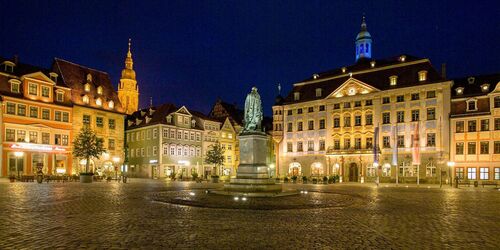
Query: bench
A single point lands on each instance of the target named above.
(463, 183)
(490, 183)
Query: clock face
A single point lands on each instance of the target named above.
(351, 91)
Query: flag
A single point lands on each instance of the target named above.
(375, 146)
(416, 146)
(395, 148)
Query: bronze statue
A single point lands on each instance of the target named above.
(253, 112)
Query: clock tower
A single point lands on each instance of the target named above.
(128, 90)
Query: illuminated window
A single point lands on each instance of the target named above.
(459, 90)
(471, 173)
(393, 80)
(10, 135)
(98, 101)
(34, 112)
(296, 96)
(14, 87)
(472, 126)
(86, 119)
(484, 173)
(60, 96)
(99, 90)
(422, 75)
(471, 105)
(11, 108)
(431, 114)
(319, 92)
(431, 140)
(111, 104)
(58, 116)
(21, 109)
(87, 87)
(86, 99)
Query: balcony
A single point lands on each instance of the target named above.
(351, 150)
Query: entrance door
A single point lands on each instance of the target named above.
(154, 172)
(353, 172)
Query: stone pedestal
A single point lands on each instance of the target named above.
(252, 176)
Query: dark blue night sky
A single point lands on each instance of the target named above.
(192, 52)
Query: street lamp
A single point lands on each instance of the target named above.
(450, 164)
(18, 154)
(116, 159)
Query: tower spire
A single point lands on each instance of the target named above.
(129, 62)
(363, 42)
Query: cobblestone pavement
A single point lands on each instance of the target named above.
(119, 216)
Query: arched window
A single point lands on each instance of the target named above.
(294, 169)
(361, 48)
(367, 48)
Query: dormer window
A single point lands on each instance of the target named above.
(422, 76)
(138, 121)
(344, 69)
(459, 90)
(393, 80)
(45, 91)
(89, 78)
(9, 66)
(315, 76)
(15, 86)
(130, 123)
(319, 92)
(147, 120)
(98, 102)
(87, 87)
(472, 105)
(111, 104)
(33, 89)
(169, 119)
(99, 90)
(485, 87)
(296, 96)
(372, 64)
(193, 123)
(86, 99)
(402, 58)
(53, 76)
(60, 96)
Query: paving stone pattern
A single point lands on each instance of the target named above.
(131, 216)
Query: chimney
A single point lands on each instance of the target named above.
(443, 70)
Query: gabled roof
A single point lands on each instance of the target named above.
(75, 77)
(22, 69)
(377, 77)
(157, 115)
(472, 85)
(230, 111)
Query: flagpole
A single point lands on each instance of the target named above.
(418, 145)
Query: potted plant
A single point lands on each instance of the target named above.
(277, 180)
(215, 156)
(325, 180)
(304, 179)
(12, 178)
(294, 179)
(86, 146)
(285, 180)
(315, 181)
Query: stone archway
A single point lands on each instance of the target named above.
(317, 169)
(294, 169)
(353, 172)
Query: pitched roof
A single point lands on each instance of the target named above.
(75, 77)
(472, 85)
(157, 115)
(23, 69)
(230, 111)
(377, 76)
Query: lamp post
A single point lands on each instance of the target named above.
(18, 155)
(116, 159)
(450, 164)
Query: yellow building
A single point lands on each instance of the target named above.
(475, 128)
(96, 104)
(128, 90)
(328, 123)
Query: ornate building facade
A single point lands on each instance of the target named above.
(363, 121)
(95, 104)
(475, 128)
(35, 120)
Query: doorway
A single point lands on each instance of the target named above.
(353, 172)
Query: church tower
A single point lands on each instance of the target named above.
(128, 91)
(363, 43)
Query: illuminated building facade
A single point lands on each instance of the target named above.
(360, 121)
(35, 120)
(475, 128)
(95, 104)
(164, 141)
(128, 90)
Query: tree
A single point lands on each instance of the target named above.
(87, 145)
(215, 156)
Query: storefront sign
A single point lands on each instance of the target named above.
(153, 161)
(183, 162)
(31, 146)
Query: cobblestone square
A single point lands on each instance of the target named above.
(134, 215)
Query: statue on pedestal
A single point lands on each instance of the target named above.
(253, 112)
